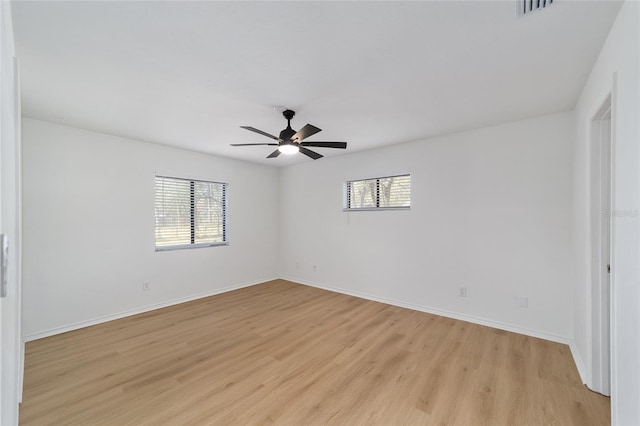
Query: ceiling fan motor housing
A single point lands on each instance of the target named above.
(286, 134)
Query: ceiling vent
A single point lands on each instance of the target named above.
(526, 7)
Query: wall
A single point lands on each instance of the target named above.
(618, 61)
(11, 354)
(89, 228)
(490, 211)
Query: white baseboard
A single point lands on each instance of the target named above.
(111, 317)
(582, 370)
(421, 308)
(442, 312)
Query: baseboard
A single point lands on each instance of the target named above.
(394, 302)
(111, 317)
(577, 359)
(442, 312)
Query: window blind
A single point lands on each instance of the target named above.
(189, 213)
(390, 192)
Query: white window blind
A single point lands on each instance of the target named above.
(390, 192)
(190, 213)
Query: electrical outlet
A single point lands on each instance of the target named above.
(315, 268)
(523, 302)
(146, 286)
(462, 292)
(297, 265)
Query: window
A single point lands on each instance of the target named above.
(391, 192)
(190, 213)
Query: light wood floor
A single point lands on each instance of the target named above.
(283, 353)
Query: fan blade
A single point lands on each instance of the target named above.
(305, 132)
(310, 153)
(253, 129)
(274, 154)
(253, 144)
(341, 145)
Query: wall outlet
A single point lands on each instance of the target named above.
(297, 265)
(462, 292)
(146, 286)
(523, 302)
(315, 268)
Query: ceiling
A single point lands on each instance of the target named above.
(188, 74)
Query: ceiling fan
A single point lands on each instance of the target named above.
(290, 141)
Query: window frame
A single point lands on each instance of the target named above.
(377, 207)
(193, 244)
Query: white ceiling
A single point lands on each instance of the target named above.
(188, 74)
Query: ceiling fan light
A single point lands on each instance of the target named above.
(288, 149)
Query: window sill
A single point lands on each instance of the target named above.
(190, 246)
(374, 209)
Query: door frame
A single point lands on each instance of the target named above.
(602, 190)
(11, 356)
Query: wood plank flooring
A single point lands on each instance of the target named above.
(288, 354)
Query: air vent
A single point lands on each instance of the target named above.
(526, 7)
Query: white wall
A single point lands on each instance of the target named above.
(619, 60)
(89, 228)
(490, 211)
